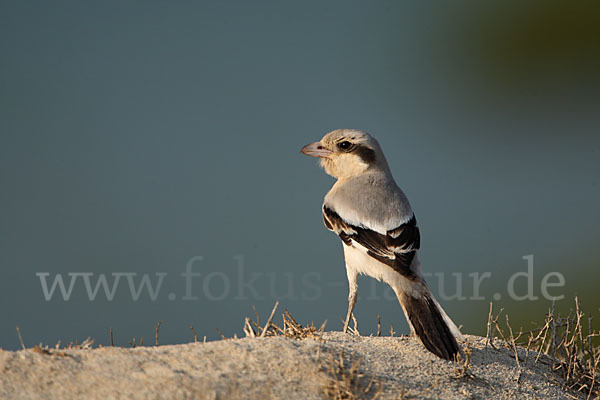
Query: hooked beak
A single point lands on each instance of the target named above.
(315, 150)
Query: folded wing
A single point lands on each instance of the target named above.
(396, 248)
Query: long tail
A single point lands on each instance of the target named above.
(431, 324)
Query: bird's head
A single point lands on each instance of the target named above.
(345, 153)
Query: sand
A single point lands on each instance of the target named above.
(275, 367)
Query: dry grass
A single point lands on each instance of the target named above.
(462, 364)
(347, 382)
(87, 344)
(568, 342)
(345, 379)
(289, 327)
(568, 345)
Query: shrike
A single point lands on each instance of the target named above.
(378, 228)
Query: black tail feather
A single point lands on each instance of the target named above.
(429, 326)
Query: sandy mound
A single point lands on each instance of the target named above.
(275, 367)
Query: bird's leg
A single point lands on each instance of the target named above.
(351, 303)
(351, 299)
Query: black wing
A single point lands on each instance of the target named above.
(396, 248)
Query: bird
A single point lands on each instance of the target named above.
(380, 236)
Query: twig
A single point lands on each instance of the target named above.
(579, 316)
(529, 343)
(194, 332)
(266, 328)
(378, 325)
(220, 333)
(156, 334)
(20, 338)
(514, 346)
(594, 374)
(257, 316)
(589, 338)
(553, 327)
(544, 330)
(489, 336)
(248, 330)
(462, 365)
(322, 327)
(112, 342)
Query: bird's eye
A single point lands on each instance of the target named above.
(345, 145)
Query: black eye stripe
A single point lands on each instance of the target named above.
(345, 145)
(367, 154)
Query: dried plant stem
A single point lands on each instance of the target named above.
(489, 335)
(571, 352)
(514, 347)
(20, 338)
(266, 328)
(220, 333)
(156, 333)
(322, 327)
(248, 330)
(194, 332)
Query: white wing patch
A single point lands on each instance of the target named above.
(395, 251)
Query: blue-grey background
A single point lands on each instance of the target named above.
(137, 135)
